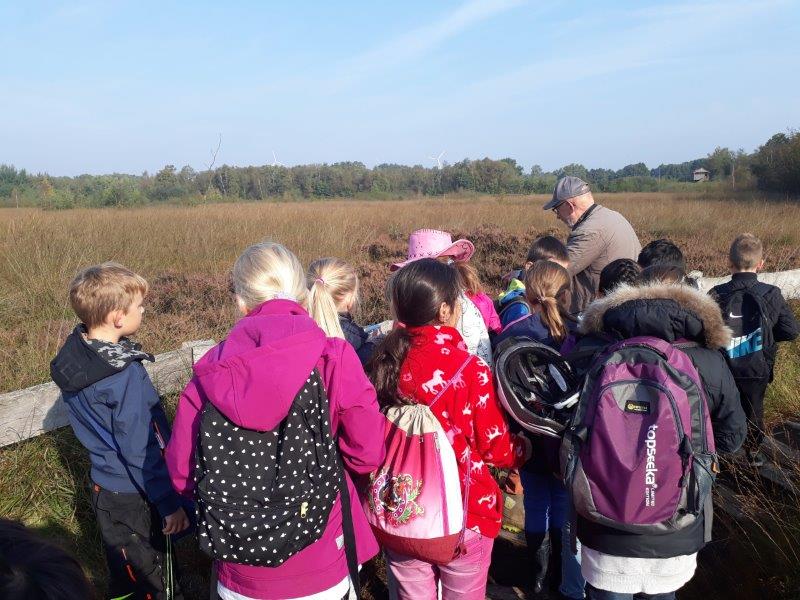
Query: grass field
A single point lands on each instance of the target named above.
(186, 253)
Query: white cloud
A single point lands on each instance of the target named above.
(652, 36)
(419, 42)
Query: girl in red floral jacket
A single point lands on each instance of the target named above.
(413, 364)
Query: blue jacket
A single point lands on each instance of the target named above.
(511, 305)
(116, 414)
(528, 325)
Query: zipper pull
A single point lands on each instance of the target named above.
(303, 510)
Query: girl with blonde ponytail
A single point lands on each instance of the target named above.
(332, 297)
(547, 291)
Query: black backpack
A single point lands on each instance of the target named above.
(745, 312)
(262, 496)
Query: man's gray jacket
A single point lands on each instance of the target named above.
(600, 236)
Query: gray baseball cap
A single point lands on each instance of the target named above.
(567, 187)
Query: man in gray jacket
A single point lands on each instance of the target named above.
(599, 235)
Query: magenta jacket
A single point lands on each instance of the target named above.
(252, 378)
(488, 312)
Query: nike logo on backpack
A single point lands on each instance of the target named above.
(733, 316)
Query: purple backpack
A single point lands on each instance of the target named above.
(639, 455)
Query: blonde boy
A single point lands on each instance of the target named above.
(116, 414)
(760, 318)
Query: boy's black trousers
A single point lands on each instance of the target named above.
(752, 392)
(134, 545)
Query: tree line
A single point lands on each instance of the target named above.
(773, 167)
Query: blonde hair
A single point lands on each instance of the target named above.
(266, 271)
(99, 290)
(746, 252)
(548, 285)
(332, 285)
(469, 278)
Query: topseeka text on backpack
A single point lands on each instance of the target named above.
(414, 502)
(745, 313)
(262, 496)
(639, 454)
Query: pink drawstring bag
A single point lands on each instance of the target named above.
(414, 502)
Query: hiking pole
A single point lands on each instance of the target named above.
(168, 575)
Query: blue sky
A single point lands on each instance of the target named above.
(99, 87)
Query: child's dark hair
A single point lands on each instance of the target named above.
(32, 568)
(417, 292)
(547, 247)
(669, 274)
(622, 271)
(661, 252)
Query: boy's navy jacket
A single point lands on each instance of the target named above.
(784, 325)
(119, 404)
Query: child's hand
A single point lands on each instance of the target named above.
(176, 522)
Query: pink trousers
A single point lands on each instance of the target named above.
(462, 579)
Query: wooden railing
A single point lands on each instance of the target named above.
(34, 410)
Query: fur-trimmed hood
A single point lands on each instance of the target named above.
(669, 312)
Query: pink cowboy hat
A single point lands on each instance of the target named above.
(432, 243)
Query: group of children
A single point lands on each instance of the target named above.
(249, 399)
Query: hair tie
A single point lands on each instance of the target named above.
(400, 324)
(319, 280)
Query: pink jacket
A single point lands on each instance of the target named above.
(489, 314)
(252, 377)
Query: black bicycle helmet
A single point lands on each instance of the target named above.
(536, 385)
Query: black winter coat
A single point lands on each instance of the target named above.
(671, 313)
(784, 325)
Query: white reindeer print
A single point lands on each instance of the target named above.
(445, 350)
(483, 377)
(495, 432)
(482, 400)
(465, 454)
(434, 382)
(489, 500)
(467, 410)
(476, 466)
(442, 337)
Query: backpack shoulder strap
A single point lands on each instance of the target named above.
(348, 530)
(685, 344)
(451, 380)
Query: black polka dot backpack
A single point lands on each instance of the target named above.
(263, 496)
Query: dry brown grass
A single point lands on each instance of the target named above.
(186, 253)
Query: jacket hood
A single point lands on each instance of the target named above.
(253, 376)
(80, 363)
(669, 312)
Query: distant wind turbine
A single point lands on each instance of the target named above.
(275, 162)
(438, 159)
